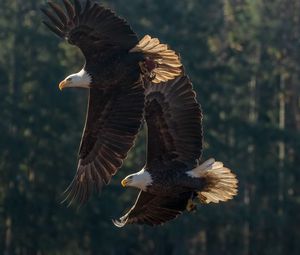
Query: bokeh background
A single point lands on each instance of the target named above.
(244, 59)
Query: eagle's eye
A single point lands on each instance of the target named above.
(69, 79)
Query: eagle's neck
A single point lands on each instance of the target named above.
(82, 78)
(141, 180)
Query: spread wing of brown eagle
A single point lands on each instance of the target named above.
(116, 67)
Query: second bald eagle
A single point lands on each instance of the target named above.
(173, 175)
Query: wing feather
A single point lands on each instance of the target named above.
(91, 26)
(174, 122)
(59, 12)
(154, 210)
(70, 9)
(107, 138)
(53, 28)
(56, 23)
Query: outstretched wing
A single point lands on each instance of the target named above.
(174, 122)
(91, 28)
(154, 210)
(113, 120)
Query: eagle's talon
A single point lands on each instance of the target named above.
(191, 206)
(149, 75)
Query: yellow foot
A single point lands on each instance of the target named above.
(149, 75)
(191, 206)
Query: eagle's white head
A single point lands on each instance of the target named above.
(140, 180)
(79, 80)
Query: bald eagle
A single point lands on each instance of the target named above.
(173, 176)
(116, 66)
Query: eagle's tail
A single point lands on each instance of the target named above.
(220, 183)
(161, 63)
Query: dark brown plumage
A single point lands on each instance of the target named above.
(154, 210)
(111, 126)
(174, 122)
(92, 28)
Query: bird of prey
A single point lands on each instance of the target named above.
(116, 66)
(173, 176)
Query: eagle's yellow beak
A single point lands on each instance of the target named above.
(124, 182)
(63, 84)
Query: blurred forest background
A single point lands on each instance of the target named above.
(244, 59)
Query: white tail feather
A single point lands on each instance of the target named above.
(221, 183)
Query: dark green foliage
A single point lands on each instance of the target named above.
(243, 57)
